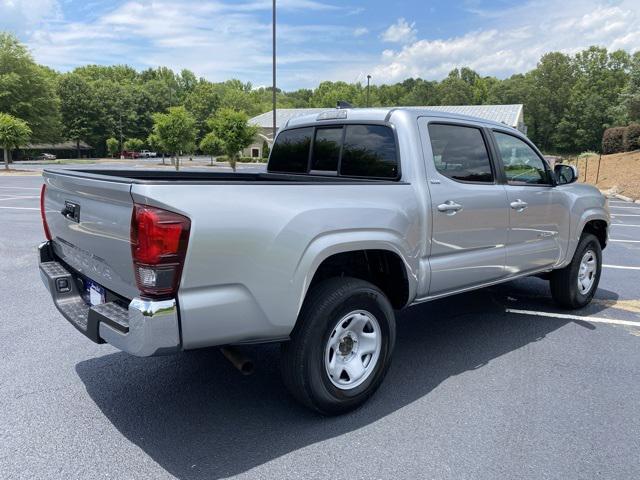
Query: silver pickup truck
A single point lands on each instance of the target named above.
(361, 212)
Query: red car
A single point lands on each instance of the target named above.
(129, 154)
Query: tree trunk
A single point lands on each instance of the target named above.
(177, 162)
(163, 158)
(78, 147)
(6, 159)
(211, 161)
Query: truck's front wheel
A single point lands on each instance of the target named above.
(341, 347)
(575, 285)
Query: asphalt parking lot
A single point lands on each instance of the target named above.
(476, 391)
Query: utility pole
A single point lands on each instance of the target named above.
(368, 88)
(273, 93)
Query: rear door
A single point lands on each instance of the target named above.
(469, 207)
(536, 211)
(90, 221)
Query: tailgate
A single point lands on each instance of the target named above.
(90, 219)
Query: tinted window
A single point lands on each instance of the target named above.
(369, 151)
(460, 153)
(521, 164)
(291, 151)
(326, 149)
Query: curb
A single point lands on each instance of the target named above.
(624, 198)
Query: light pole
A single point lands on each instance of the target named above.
(368, 88)
(273, 93)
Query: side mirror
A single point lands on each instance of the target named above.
(565, 174)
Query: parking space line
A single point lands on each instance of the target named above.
(623, 241)
(565, 316)
(19, 208)
(21, 188)
(613, 206)
(621, 267)
(614, 215)
(624, 225)
(19, 198)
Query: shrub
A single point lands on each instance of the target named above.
(631, 138)
(612, 140)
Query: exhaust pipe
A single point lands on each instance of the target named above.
(243, 364)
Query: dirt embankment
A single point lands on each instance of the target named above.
(620, 171)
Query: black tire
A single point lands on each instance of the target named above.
(303, 357)
(564, 282)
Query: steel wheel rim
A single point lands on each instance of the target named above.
(587, 272)
(353, 349)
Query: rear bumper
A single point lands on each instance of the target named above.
(142, 328)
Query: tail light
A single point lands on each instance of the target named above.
(47, 233)
(159, 241)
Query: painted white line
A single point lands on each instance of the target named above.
(614, 215)
(624, 241)
(574, 317)
(624, 225)
(18, 198)
(23, 188)
(19, 208)
(625, 207)
(621, 267)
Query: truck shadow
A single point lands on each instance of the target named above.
(199, 418)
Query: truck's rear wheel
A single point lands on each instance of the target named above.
(575, 285)
(341, 347)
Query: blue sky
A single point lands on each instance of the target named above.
(318, 39)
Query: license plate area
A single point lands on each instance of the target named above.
(93, 293)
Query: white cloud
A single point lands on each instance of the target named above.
(400, 32)
(360, 31)
(217, 39)
(515, 39)
(24, 15)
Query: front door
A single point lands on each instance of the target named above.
(470, 217)
(536, 212)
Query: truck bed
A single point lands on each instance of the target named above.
(200, 177)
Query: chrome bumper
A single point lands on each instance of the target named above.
(143, 328)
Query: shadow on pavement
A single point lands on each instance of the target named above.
(199, 418)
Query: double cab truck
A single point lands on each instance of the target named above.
(360, 213)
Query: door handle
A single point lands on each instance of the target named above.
(519, 205)
(449, 207)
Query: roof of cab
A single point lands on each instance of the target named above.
(384, 114)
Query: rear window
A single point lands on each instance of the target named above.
(346, 150)
(291, 151)
(369, 151)
(326, 149)
(460, 153)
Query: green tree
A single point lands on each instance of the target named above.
(176, 131)
(14, 133)
(153, 140)
(202, 102)
(211, 145)
(133, 144)
(233, 129)
(112, 146)
(601, 76)
(457, 89)
(79, 113)
(328, 94)
(27, 90)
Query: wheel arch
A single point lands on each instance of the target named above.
(378, 257)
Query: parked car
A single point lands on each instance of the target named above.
(129, 154)
(148, 154)
(46, 156)
(361, 213)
